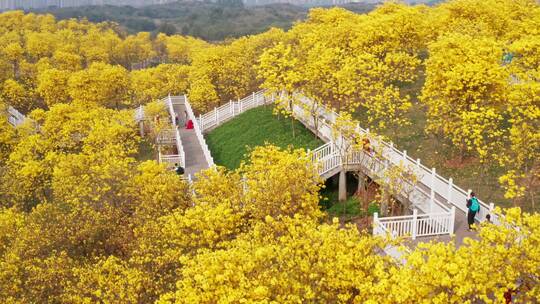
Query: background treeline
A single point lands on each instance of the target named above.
(209, 21)
(205, 20)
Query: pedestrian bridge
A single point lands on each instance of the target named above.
(437, 205)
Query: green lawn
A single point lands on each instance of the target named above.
(230, 142)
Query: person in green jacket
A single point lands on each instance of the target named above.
(473, 206)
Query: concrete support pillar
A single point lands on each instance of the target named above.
(361, 182)
(141, 128)
(342, 185)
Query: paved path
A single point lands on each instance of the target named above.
(193, 151)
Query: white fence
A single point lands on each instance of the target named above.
(167, 137)
(139, 114)
(15, 118)
(415, 225)
(231, 109)
(170, 136)
(198, 132)
(180, 157)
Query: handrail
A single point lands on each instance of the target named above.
(179, 146)
(229, 110)
(139, 115)
(415, 225)
(407, 217)
(15, 118)
(198, 133)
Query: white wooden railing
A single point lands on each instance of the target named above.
(415, 225)
(199, 133)
(170, 136)
(231, 109)
(167, 137)
(15, 118)
(179, 147)
(139, 114)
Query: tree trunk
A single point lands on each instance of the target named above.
(384, 203)
(342, 185)
(292, 127)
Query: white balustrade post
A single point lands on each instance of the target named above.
(414, 224)
(201, 124)
(375, 222)
(449, 193)
(240, 103)
(231, 108)
(418, 164)
(452, 219)
(491, 207)
(404, 157)
(432, 192)
(216, 116)
(253, 97)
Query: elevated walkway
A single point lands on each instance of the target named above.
(439, 203)
(191, 150)
(193, 147)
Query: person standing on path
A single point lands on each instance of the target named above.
(178, 169)
(473, 206)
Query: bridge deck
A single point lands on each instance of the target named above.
(195, 160)
(460, 224)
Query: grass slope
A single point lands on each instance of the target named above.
(230, 142)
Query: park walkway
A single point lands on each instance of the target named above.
(438, 206)
(195, 159)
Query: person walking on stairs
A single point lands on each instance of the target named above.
(178, 169)
(473, 206)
